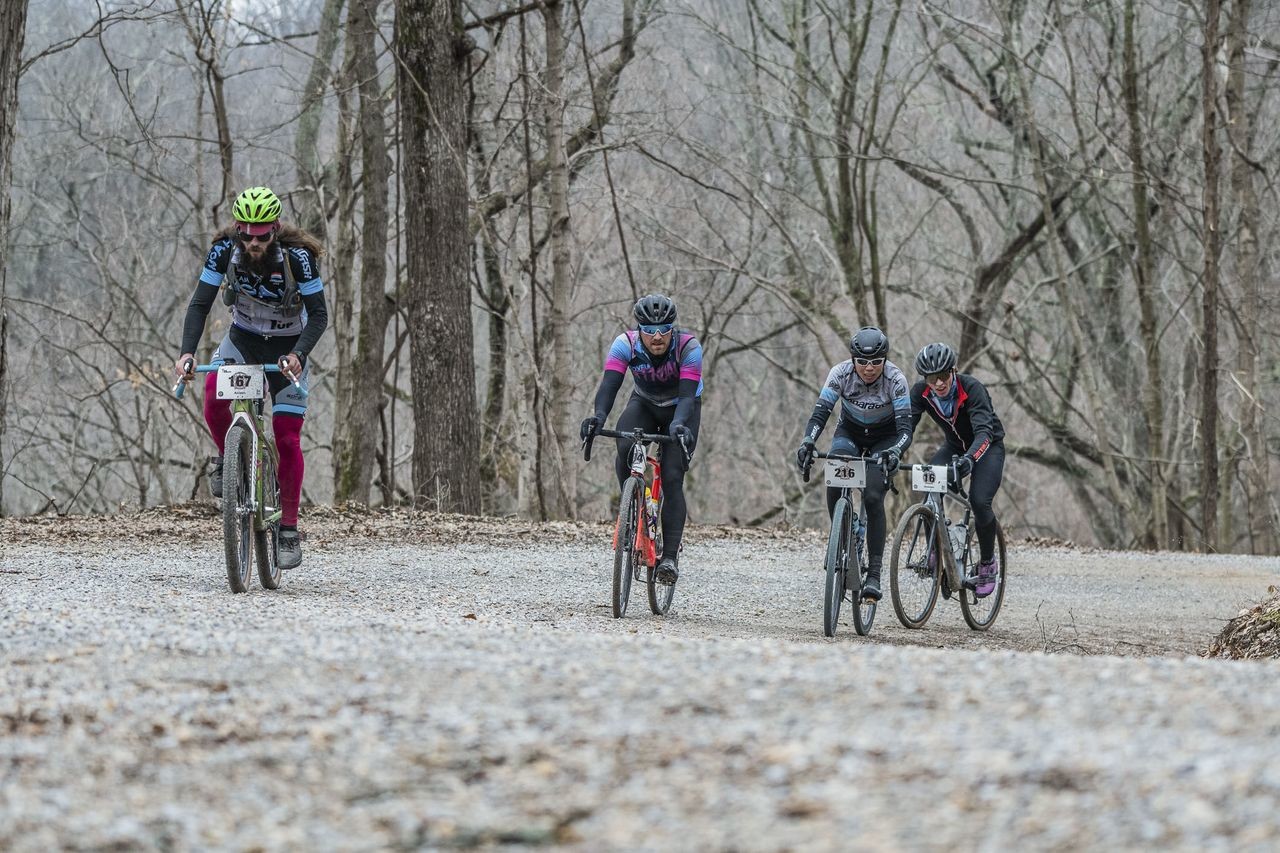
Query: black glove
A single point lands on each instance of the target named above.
(962, 469)
(804, 453)
(590, 426)
(890, 459)
(682, 434)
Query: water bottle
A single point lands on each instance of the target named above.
(958, 533)
(859, 534)
(651, 513)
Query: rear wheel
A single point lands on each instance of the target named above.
(837, 562)
(660, 594)
(237, 517)
(864, 609)
(981, 613)
(625, 555)
(914, 567)
(266, 542)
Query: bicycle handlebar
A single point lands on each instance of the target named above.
(193, 368)
(636, 434)
(873, 459)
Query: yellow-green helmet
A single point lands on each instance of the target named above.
(256, 204)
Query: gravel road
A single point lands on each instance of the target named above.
(444, 683)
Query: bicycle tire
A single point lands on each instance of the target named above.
(660, 594)
(919, 520)
(237, 521)
(624, 549)
(266, 542)
(980, 613)
(864, 609)
(834, 588)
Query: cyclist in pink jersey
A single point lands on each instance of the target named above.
(666, 367)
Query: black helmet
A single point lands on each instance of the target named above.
(655, 310)
(869, 342)
(935, 358)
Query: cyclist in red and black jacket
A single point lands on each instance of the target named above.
(961, 406)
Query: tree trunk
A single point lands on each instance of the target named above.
(1209, 304)
(431, 75)
(311, 179)
(1251, 438)
(360, 395)
(1157, 534)
(13, 27)
(555, 372)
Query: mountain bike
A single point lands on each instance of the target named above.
(637, 536)
(932, 554)
(847, 543)
(250, 486)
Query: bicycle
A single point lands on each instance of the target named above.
(846, 542)
(927, 540)
(636, 556)
(251, 508)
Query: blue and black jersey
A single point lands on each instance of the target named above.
(869, 412)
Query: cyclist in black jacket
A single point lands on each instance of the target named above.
(961, 406)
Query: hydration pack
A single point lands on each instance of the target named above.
(231, 292)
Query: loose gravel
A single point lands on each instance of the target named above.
(460, 684)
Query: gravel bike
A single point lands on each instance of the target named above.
(933, 554)
(637, 536)
(250, 485)
(846, 544)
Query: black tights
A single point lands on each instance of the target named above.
(984, 482)
(656, 419)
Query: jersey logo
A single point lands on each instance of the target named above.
(304, 261)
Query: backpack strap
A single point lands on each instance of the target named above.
(291, 296)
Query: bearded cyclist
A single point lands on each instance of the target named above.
(269, 275)
(666, 367)
(875, 421)
(961, 406)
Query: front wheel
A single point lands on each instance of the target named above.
(237, 513)
(981, 613)
(625, 554)
(914, 566)
(837, 562)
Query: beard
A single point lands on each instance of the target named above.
(261, 265)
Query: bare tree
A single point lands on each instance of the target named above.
(1212, 154)
(431, 47)
(13, 25)
(360, 396)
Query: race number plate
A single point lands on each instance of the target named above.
(240, 382)
(929, 478)
(846, 473)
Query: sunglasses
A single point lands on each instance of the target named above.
(256, 238)
(931, 378)
(664, 329)
(868, 362)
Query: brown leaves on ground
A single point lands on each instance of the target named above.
(1253, 635)
(200, 520)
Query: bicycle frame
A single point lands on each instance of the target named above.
(640, 462)
(937, 505)
(250, 414)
